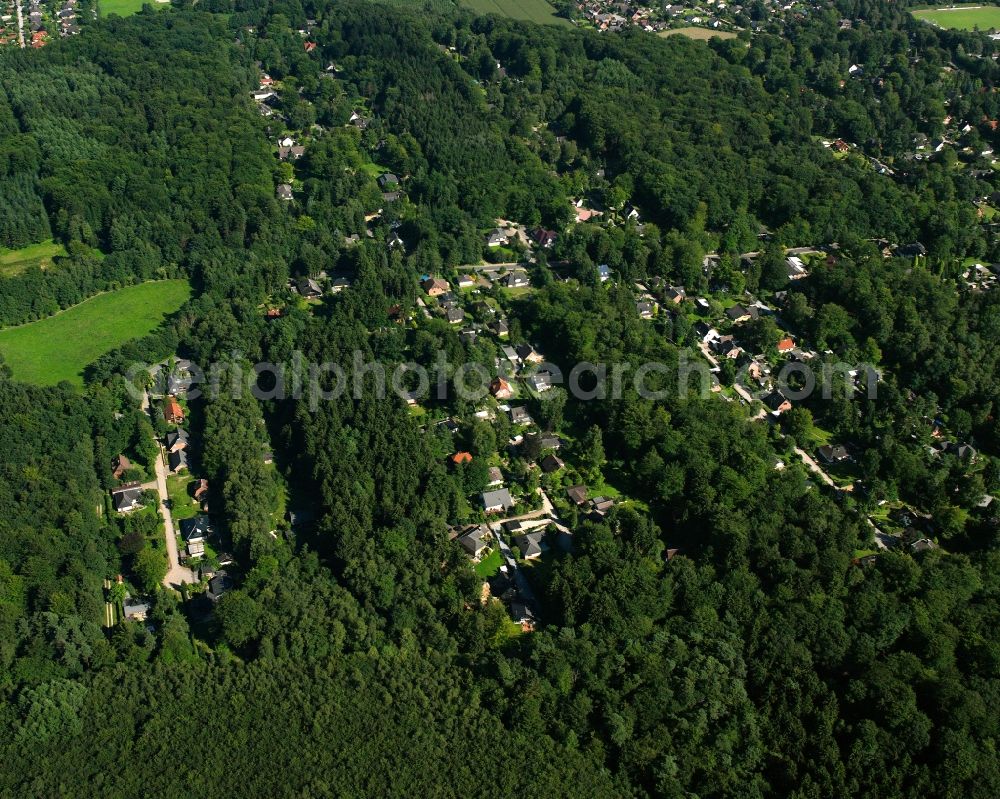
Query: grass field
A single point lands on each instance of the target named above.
(124, 8)
(13, 262)
(489, 565)
(59, 347)
(532, 10)
(702, 34)
(962, 17)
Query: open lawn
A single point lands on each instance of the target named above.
(489, 565)
(531, 10)
(701, 34)
(124, 8)
(182, 504)
(13, 262)
(962, 17)
(59, 347)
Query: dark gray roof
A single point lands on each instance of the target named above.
(199, 527)
(178, 460)
(178, 435)
(126, 497)
(501, 497)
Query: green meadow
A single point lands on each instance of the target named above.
(60, 346)
(962, 17)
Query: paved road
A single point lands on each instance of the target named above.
(523, 586)
(816, 468)
(20, 23)
(176, 574)
(882, 540)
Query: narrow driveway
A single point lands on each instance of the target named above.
(20, 23)
(816, 468)
(176, 574)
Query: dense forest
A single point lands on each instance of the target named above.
(715, 635)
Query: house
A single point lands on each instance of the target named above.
(177, 440)
(495, 477)
(448, 300)
(390, 197)
(172, 411)
(461, 457)
(475, 541)
(499, 328)
(338, 284)
(577, 495)
(387, 181)
(551, 463)
(309, 288)
(543, 238)
(497, 238)
(200, 491)
(127, 498)
(521, 613)
(218, 586)
(293, 151)
(178, 384)
(284, 191)
(795, 268)
(119, 465)
(962, 451)
(197, 529)
(501, 389)
(738, 314)
(630, 212)
(178, 461)
(528, 354)
(530, 544)
(777, 402)
(674, 295)
(786, 345)
(600, 507)
(466, 281)
(510, 355)
(645, 309)
(517, 279)
(135, 609)
(833, 454)
(914, 250)
(604, 272)
(520, 415)
(540, 382)
(196, 549)
(728, 348)
(550, 442)
(497, 501)
(435, 286)
(922, 545)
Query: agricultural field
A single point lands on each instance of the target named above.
(59, 347)
(13, 262)
(125, 8)
(700, 34)
(531, 10)
(961, 17)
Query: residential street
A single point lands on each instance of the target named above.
(20, 23)
(808, 460)
(523, 586)
(176, 574)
